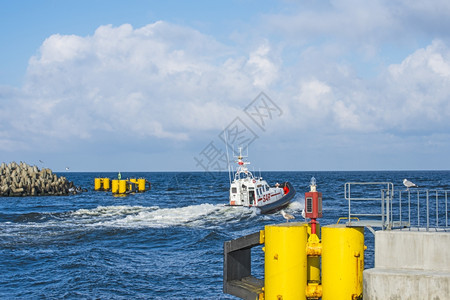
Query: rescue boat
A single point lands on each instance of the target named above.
(250, 191)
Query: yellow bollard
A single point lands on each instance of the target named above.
(141, 183)
(285, 271)
(106, 184)
(115, 186)
(342, 262)
(97, 184)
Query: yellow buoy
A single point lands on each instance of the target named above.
(115, 186)
(106, 184)
(342, 262)
(122, 186)
(97, 184)
(285, 273)
(141, 183)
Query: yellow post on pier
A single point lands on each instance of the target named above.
(342, 262)
(285, 261)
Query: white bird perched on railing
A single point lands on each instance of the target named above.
(408, 184)
(287, 216)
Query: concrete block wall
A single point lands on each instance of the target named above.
(400, 249)
(409, 265)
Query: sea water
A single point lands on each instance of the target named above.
(166, 243)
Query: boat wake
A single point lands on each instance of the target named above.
(203, 215)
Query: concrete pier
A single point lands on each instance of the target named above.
(409, 265)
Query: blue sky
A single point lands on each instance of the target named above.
(156, 86)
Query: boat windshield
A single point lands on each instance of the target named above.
(242, 174)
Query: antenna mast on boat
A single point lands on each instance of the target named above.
(228, 157)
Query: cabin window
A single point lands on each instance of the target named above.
(234, 190)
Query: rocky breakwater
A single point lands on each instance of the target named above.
(25, 180)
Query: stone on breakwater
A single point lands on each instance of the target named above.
(25, 180)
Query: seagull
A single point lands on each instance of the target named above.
(287, 216)
(303, 214)
(408, 184)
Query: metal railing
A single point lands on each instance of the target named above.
(364, 198)
(372, 204)
(425, 208)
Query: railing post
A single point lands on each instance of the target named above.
(391, 201)
(428, 212)
(388, 211)
(437, 210)
(382, 211)
(400, 207)
(418, 209)
(446, 210)
(349, 200)
(409, 212)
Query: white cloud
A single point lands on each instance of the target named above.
(342, 19)
(60, 48)
(417, 90)
(411, 97)
(161, 80)
(360, 28)
(262, 67)
(167, 81)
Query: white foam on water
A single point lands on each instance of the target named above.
(202, 215)
(110, 211)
